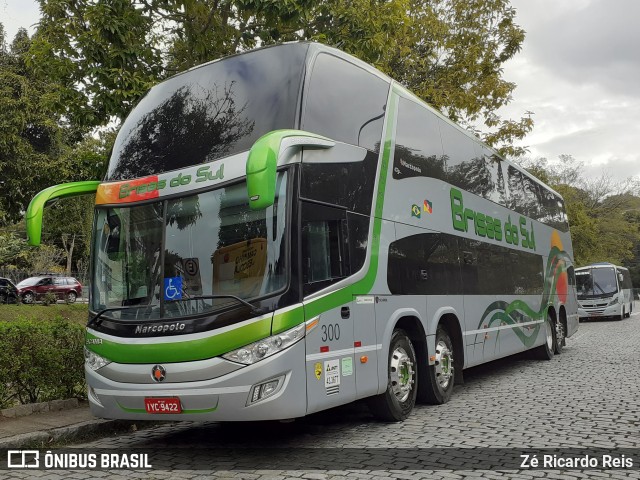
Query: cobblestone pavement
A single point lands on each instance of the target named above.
(587, 398)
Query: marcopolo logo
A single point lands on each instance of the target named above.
(158, 373)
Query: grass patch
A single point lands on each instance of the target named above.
(76, 313)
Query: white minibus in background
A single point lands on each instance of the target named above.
(604, 290)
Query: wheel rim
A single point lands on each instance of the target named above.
(28, 298)
(549, 334)
(71, 296)
(444, 364)
(401, 371)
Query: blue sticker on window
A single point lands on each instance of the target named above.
(173, 288)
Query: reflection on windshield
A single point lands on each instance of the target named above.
(215, 110)
(29, 282)
(214, 245)
(193, 122)
(127, 258)
(596, 282)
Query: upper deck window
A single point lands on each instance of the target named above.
(210, 112)
(345, 103)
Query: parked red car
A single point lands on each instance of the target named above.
(64, 288)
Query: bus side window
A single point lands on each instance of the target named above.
(345, 103)
(325, 246)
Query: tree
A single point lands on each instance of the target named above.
(106, 54)
(67, 225)
(31, 140)
(14, 251)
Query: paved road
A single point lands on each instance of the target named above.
(588, 397)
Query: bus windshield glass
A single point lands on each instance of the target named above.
(166, 254)
(212, 111)
(596, 282)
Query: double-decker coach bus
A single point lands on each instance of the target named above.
(604, 290)
(287, 230)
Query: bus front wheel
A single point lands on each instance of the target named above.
(396, 403)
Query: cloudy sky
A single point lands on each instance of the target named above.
(578, 72)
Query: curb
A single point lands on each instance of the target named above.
(96, 428)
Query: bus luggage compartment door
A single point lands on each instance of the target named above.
(331, 379)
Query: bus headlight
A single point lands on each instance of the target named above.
(614, 300)
(254, 352)
(93, 360)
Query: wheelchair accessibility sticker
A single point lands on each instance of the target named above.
(173, 288)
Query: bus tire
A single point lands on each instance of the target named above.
(396, 403)
(547, 349)
(560, 337)
(440, 376)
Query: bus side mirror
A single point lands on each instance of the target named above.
(35, 210)
(263, 159)
(620, 277)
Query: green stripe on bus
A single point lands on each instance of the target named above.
(286, 320)
(363, 286)
(181, 351)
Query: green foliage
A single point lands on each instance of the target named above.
(450, 52)
(40, 360)
(76, 313)
(31, 137)
(635, 276)
(39, 148)
(105, 55)
(14, 251)
(49, 298)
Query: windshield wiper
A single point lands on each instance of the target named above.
(113, 309)
(255, 310)
(596, 285)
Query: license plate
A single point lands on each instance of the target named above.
(162, 405)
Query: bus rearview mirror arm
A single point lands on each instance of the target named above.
(264, 158)
(35, 210)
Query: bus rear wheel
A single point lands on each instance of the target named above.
(547, 349)
(560, 336)
(396, 403)
(440, 376)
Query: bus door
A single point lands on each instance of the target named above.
(331, 378)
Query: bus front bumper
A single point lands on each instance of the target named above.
(600, 312)
(230, 397)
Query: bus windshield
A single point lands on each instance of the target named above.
(166, 254)
(209, 112)
(596, 282)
